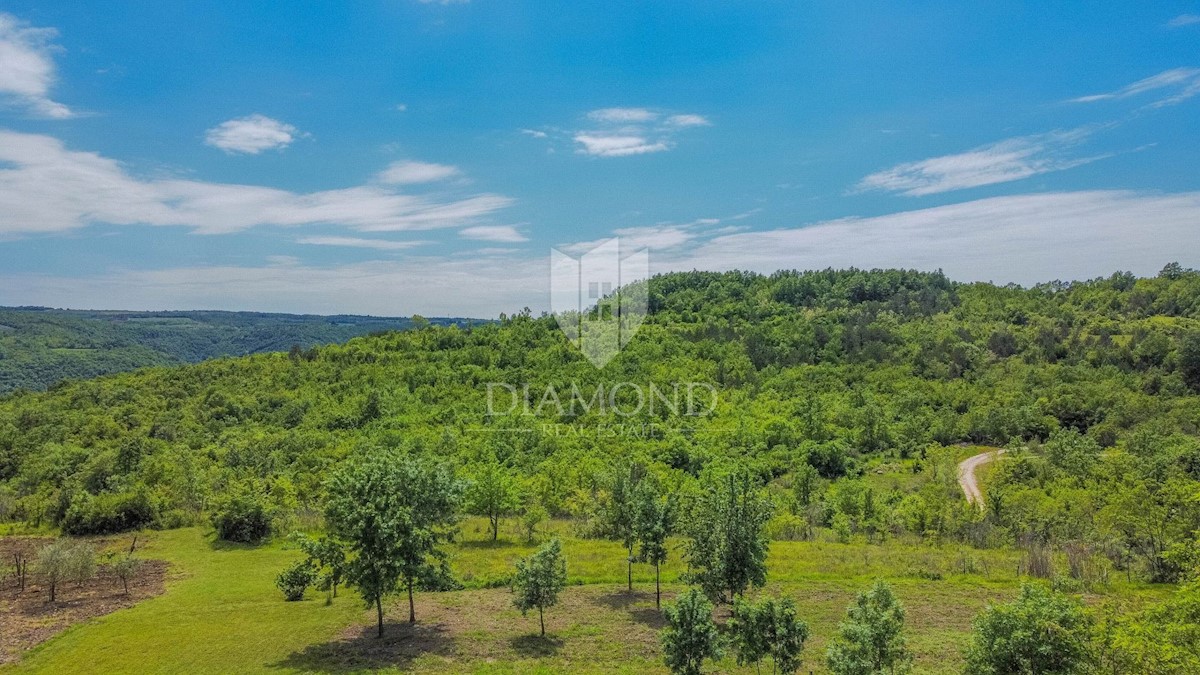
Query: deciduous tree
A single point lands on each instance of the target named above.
(391, 513)
(539, 580)
(871, 639)
(727, 552)
(1040, 633)
(691, 636)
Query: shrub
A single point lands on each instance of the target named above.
(109, 513)
(1039, 632)
(295, 580)
(244, 518)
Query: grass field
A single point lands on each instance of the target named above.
(222, 613)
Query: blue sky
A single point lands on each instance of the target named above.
(404, 156)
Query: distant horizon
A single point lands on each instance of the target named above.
(454, 317)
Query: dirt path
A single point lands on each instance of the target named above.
(966, 475)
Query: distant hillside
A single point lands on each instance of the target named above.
(41, 346)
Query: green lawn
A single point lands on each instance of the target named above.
(222, 613)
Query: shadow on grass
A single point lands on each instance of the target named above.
(217, 544)
(635, 603)
(488, 543)
(649, 616)
(401, 644)
(536, 646)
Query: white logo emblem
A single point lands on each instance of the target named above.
(599, 299)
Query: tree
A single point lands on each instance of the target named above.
(327, 559)
(1039, 633)
(654, 522)
(1161, 639)
(690, 636)
(804, 485)
(126, 569)
(871, 639)
(769, 628)
(531, 519)
(539, 580)
(727, 551)
(787, 636)
(63, 560)
(748, 631)
(391, 512)
(620, 511)
(81, 565)
(493, 493)
(1189, 359)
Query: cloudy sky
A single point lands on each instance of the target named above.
(410, 156)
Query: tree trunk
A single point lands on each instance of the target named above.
(379, 613)
(495, 527)
(629, 569)
(542, 621)
(52, 589)
(412, 613)
(657, 586)
(125, 583)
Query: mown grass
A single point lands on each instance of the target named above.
(222, 613)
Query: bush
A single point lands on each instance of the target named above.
(1039, 632)
(109, 513)
(244, 518)
(295, 580)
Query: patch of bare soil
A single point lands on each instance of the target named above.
(27, 617)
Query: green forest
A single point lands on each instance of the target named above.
(40, 346)
(843, 402)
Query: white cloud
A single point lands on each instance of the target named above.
(669, 236)
(600, 145)
(401, 107)
(358, 242)
(251, 135)
(409, 172)
(478, 286)
(1185, 83)
(27, 69)
(655, 237)
(1023, 239)
(688, 121)
(622, 132)
(1001, 162)
(534, 133)
(622, 115)
(506, 234)
(1184, 20)
(48, 188)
